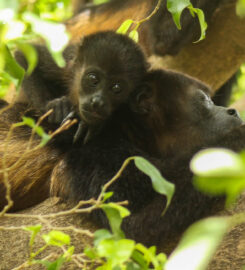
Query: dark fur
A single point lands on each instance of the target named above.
(173, 120)
(114, 61)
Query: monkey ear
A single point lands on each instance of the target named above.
(141, 102)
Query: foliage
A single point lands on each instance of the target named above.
(28, 20)
(240, 8)
(111, 250)
(175, 7)
(238, 89)
(219, 172)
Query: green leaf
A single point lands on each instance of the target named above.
(12, 67)
(98, 2)
(133, 266)
(39, 130)
(198, 244)
(218, 172)
(124, 212)
(69, 252)
(107, 195)
(148, 254)
(100, 235)
(159, 184)
(90, 253)
(56, 265)
(240, 8)
(202, 22)
(134, 35)
(28, 121)
(176, 8)
(56, 238)
(139, 258)
(123, 29)
(116, 252)
(34, 230)
(30, 54)
(115, 220)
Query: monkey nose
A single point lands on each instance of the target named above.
(97, 103)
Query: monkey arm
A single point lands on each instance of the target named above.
(45, 83)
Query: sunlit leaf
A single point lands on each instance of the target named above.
(90, 253)
(134, 35)
(98, 2)
(34, 230)
(219, 172)
(100, 235)
(12, 67)
(123, 29)
(198, 244)
(202, 22)
(115, 220)
(116, 252)
(159, 184)
(107, 195)
(30, 55)
(56, 238)
(56, 265)
(240, 8)
(176, 8)
(68, 253)
(39, 130)
(124, 212)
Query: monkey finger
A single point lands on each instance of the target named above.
(69, 116)
(81, 131)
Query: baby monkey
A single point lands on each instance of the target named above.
(100, 75)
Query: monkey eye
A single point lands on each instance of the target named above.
(93, 79)
(116, 88)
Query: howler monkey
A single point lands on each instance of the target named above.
(100, 75)
(159, 35)
(173, 119)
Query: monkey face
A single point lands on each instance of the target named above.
(108, 68)
(180, 111)
(101, 94)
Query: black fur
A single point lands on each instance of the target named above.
(101, 74)
(173, 119)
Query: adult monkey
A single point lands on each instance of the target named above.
(175, 118)
(199, 108)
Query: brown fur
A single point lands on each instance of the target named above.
(29, 170)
